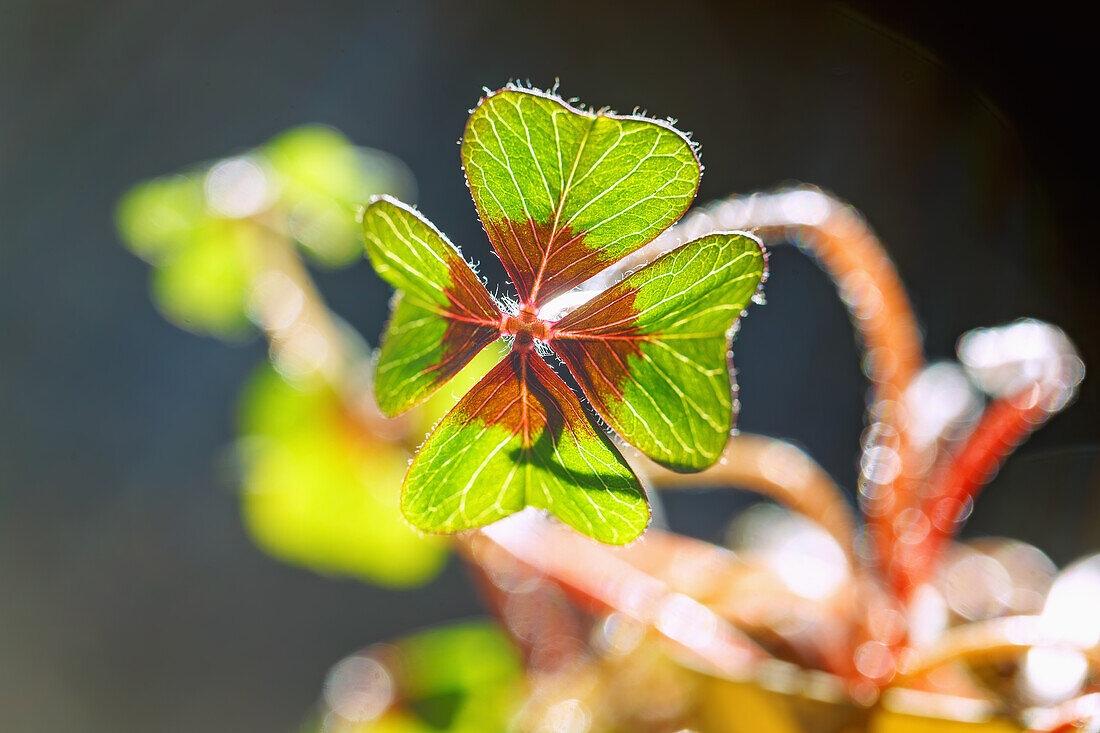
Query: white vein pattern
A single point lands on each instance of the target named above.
(501, 141)
(418, 268)
(586, 486)
(669, 390)
(432, 333)
(659, 362)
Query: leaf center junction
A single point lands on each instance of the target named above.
(526, 327)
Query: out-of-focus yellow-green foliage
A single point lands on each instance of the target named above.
(461, 658)
(205, 231)
(204, 286)
(321, 492)
(324, 181)
(158, 217)
(465, 678)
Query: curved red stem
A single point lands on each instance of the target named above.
(1003, 426)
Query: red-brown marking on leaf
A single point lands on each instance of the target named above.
(595, 342)
(473, 321)
(540, 272)
(469, 299)
(609, 315)
(523, 395)
(600, 367)
(462, 341)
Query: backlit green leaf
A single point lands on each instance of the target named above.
(651, 352)
(442, 317)
(428, 413)
(520, 438)
(563, 193)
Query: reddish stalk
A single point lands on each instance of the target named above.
(600, 579)
(1003, 426)
(530, 608)
(780, 471)
(527, 562)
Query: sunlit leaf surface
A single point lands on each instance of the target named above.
(520, 438)
(444, 315)
(563, 193)
(650, 352)
(428, 414)
(320, 492)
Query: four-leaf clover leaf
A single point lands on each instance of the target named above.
(562, 194)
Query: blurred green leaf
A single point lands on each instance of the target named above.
(158, 217)
(205, 286)
(208, 231)
(322, 493)
(464, 678)
(463, 657)
(324, 180)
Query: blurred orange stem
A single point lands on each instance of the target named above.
(780, 471)
(989, 642)
(1003, 426)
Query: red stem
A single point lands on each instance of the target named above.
(1003, 426)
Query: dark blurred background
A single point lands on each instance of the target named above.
(130, 597)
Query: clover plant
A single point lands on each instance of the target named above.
(562, 193)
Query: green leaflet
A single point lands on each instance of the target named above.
(429, 412)
(443, 315)
(158, 217)
(520, 438)
(421, 352)
(563, 193)
(651, 351)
